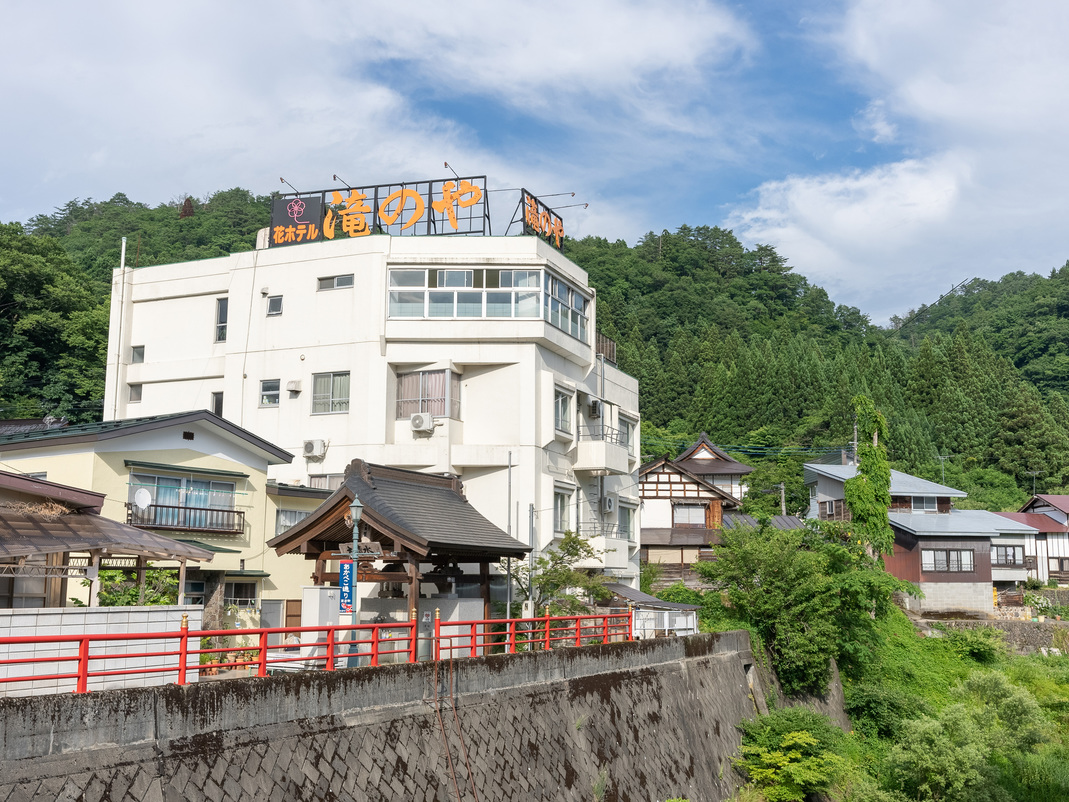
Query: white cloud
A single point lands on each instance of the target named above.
(872, 123)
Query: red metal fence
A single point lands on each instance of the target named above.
(188, 655)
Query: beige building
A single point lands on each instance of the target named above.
(476, 357)
(194, 477)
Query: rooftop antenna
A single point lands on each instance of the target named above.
(343, 181)
(1034, 474)
(454, 172)
(288, 184)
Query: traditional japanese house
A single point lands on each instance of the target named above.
(1045, 553)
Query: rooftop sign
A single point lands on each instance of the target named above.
(441, 206)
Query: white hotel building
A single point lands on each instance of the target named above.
(458, 355)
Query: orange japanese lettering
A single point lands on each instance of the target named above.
(401, 197)
(466, 196)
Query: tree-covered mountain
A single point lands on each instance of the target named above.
(723, 338)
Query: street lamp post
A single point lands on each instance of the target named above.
(356, 510)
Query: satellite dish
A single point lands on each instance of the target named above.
(142, 498)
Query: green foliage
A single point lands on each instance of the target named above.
(119, 588)
(791, 753)
(809, 595)
(648, 575)
(556, 582)
(878, 710)
(868, 494)
(982, 644)
(54, 325)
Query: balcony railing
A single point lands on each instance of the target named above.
(605, 346)
(602, 431)
(199, 519)
(590, 529)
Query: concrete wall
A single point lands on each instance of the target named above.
(941, 597)
(655, 718)
(74, 621)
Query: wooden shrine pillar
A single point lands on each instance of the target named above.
(484, 586)
(413, 581)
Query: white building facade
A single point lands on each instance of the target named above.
(459, 355)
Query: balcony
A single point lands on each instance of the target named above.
(189, 519)
(601, 450)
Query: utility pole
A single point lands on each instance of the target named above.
(783, 498)
(1034, 474)
(855, 439)
(942, 463)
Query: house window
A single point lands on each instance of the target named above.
(326, 481)
(829, 508)
(173, 491)
(217, 404)
(240, 594)
(274, 306)
(1007, 556)
(137, 354)
(269, 392)
(221, 305)
(284, 519)
(330, 392)
(336, 282)
(625, 522)
(195, 592)
(925, 504)
(562, 410)
(135, 393)
(562, 502)
(688, 515)
(627, 434)
(464, 293)
(436, 392)
(947, 560)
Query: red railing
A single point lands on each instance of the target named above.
(187, 654)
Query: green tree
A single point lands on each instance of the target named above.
(558, 582)
(868, 493)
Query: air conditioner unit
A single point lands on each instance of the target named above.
(595, 408)
(608, 504)
(422, 422)
(294, 386)
(315, 448)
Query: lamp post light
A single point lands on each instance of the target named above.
(356, 510)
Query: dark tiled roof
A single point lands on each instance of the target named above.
(24, 534)
(736, 519)
(692, 537)
(425, 511)
(714, 467)
(105, 430)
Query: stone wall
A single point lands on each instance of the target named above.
(1022, 636)
(651, 719)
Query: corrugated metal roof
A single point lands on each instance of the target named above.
(1060, 503)
(902, 484)
(686, 537)
(964, 523)
(733, 520)
(646, 600)
(22, 535)
(1037, 520)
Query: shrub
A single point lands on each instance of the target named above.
(791, 753)
(982, 644)
(877, 709)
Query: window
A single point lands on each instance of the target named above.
(436, 392)
(925, 504)
(184, 491)
(137, 354)
(274, 305)
(330, 393)
(335, 282)
(220, 319)
(284, 519)
(326, 481)
(947, 560)
(269, 392)
(217, 404)
(240, 594)
(1058, 564)
(829, 508)
(565, 307)
(1007, 556)
(688, 515)
(135, 393)
(562, 410)
(194, 592)
(562, 502)
(433, 293)
(627, 434)
(625, 520)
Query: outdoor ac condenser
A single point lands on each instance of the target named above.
(315, 448)
(422, 422)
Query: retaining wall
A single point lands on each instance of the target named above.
(650, 719)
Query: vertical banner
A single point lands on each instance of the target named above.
(345, 581)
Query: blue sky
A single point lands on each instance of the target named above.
(887, 150)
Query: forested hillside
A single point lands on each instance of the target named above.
(724, 339)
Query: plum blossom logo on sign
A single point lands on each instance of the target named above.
(295, 209)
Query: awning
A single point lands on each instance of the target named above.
(185, 469)
(209, 546)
